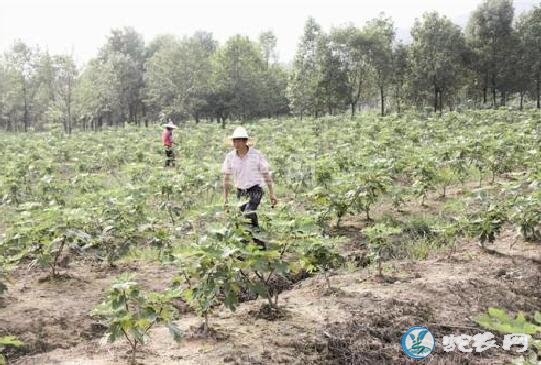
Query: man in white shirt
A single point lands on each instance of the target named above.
(250, 170)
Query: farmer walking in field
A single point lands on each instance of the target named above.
(167, 139)
(250, 172)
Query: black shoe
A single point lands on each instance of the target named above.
(262, 245)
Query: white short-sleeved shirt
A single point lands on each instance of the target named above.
(247, 171)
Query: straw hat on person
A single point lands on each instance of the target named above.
(240, 133)
(169, 125)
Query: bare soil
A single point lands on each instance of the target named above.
(359, 321)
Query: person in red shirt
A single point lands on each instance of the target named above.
(167, 140)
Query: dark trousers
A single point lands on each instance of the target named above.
(254, 193)
(169, 156)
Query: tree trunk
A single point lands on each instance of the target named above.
(206, 323)
(382, 101)
(353, 107)
(502, 99)
(136, 117)
(25, 109)
(521, 100)
(493, 92)
(134, 353)
(131, 113)
(144, 114)
(441, 103)
(397, 97)
(327, 281)
(538, 91)
(435, 99)
(69, 106)
(484, 95)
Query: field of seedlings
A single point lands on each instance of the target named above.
(108, 257)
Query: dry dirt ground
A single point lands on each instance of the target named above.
(360, 322)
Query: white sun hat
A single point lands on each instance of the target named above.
(170, 125)
(239, 132)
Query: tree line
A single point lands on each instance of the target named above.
(495, 60)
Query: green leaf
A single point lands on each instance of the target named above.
(126, 323)
(537, 317)
(498, 313)
(144, 323)
(10, 341)
(187, 294)
(175, 331)
(259, 289)
(498, 320)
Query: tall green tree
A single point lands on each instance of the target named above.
(529, 32)
(379, 34)
(437, 52)
(303, 83)
(125, 52)
(64, 85)
(268, 42)
(11, 101)
(45, 87)
(274, 94)
(274, 100)
(330, 92)
(179, 75)
(400, 73)
(97, 95)
(21, 64)
(489, 33)
(351, 46)
(202, 49)
(237, 77)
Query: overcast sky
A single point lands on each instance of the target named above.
(80, 27)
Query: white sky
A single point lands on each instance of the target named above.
(81, 26)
